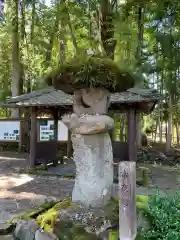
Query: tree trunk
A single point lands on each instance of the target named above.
(169, 126)
(62, 44)
(177, 131)
(107, 27)
(16, 66)
(156, 128)
(33, 19)
(138, 57)
(160, 131)
(51, 39)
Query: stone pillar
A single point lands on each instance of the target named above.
(94, 172)
(92, 147)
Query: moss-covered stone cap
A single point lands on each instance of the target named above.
(91, 71)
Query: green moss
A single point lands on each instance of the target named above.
(142, 176)
(47, 205)
(69, 176)
(90, 71)
(48, 214)
(47, 219)
(139, 198)
(34, 213)
(113, 235)
(112, 208)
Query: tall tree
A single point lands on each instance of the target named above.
(16, 65)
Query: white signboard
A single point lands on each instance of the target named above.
(9, 130)
(47, 130)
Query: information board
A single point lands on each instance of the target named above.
(47, 130)
(9, 130)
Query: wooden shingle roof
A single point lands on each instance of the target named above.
(52, 97)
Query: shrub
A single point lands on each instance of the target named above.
(163, 214)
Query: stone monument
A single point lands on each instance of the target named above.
(91, 78)
(90, 126)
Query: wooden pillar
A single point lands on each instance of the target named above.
(69, 145)
(33, 139)
(127, 185)
(56, 118)
(138, 129)
(55, 115)
(21, 133)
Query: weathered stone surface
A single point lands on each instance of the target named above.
(91, 101)
(25, 230)
(94, 168)
(39, 235)
(78, 222)
(88, 124)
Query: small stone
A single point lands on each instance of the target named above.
(44, 236)
(25, 230)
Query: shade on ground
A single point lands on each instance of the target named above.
(62, 170)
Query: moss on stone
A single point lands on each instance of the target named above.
(90, 71)
(113, 235)
(142, 176)
(47, 219)
(34, 213)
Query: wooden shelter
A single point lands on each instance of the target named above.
(57, 103)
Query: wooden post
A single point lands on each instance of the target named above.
(56, 117)
(138, 129)
(69, 145)
(127, 185)
(33, 139)
(21, 133)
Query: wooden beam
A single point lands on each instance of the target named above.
(33, 139)
(127, 185)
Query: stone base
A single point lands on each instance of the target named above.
(94, 168)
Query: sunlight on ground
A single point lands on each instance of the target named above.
(9, 158)
(7, 182)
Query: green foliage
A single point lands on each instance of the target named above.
(164, 216)
(112, 208)
(91, 71)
